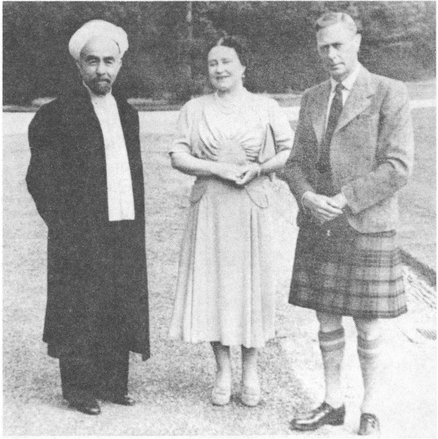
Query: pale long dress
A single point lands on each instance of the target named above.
(226, 280)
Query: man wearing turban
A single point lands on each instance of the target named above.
(86, 178)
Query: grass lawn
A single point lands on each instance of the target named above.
(173, 386)
(417, 229)
(422, 90)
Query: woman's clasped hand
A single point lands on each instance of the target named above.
(238, 174)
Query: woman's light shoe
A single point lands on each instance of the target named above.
(220, 395)
(250, 396)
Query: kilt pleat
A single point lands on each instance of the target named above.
(362, 280)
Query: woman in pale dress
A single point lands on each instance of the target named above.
(232, 141)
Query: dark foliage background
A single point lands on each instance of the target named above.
(168, 42)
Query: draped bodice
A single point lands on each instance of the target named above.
(211, 129)
(232, 134)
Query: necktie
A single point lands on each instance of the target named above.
(335, 112)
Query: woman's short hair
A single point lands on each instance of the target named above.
(236, 43)
(330, 18)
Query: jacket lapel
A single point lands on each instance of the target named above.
(358, 100)
(319, 110)
(125, 120)
(128, 123)
(80, 115)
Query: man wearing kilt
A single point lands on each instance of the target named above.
(353, 151)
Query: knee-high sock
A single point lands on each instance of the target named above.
(332, 346)
(370, 362)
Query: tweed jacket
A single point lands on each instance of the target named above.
(371, 152)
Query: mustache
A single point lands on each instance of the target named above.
(101, 80)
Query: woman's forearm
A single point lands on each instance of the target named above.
(193, 166)
(188, 164)
(275, 163)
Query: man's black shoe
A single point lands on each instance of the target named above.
(89, 406)
(369, 425)
(324, 414)
(118, 399)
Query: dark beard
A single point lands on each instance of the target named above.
(99, 89)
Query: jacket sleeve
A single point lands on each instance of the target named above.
(281, 129)
(395, 153)
(299, 164)
(44, 175)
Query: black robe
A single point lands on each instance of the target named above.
(97, 281)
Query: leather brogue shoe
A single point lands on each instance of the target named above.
(89, 406)
(322, 415)
(369, 425)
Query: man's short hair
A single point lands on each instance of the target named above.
(331, 18)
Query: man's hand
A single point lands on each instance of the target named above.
(339, 201)
(324, 208)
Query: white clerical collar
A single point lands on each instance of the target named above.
(349, 81)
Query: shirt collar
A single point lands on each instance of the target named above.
(349, 81)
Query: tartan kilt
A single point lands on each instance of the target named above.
(358, 275)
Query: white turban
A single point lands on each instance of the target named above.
(93, 29)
